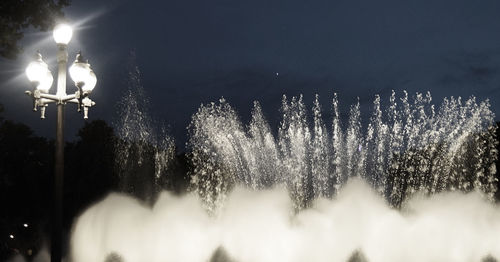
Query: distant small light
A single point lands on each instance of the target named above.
(25, 225)
(277, 74)
(11, 236)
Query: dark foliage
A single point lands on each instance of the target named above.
(1, 111)
(357, 256)
(89, 173)
(25, 188)
(220, 255)
(16, 16)
(489, 258)
(26, 179)
(176, 178)
(137, 170)
(113, 257)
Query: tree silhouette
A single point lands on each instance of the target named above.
(17, 16)
(89, 172)
(25, 188)
(1, 111)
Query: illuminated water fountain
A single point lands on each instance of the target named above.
(409, 147)
(317, 190)
(144, 150)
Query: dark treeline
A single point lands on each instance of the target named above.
(17, 16)
(26, 181)
(26, 164)
(26, 178)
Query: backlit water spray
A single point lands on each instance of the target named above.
(144, 150)
(408, 147)
(416, 184)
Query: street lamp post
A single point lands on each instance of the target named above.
(41, 79)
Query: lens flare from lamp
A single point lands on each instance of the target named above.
(62, 34)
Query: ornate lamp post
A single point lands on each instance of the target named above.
(41, 78)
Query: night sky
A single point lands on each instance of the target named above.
(195, 51)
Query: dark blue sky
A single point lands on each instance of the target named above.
(195, 51)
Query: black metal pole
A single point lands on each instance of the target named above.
(57, 232)
(56, 246)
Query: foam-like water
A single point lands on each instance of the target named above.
(407, 147)
(263, 226)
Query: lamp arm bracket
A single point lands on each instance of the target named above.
(50, 97)
(68, 98)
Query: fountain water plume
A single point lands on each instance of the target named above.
(262, 142)
(406, 148)
(144, 149)
(310, 193)
(320, 155)
(294, 143)
(215, 136)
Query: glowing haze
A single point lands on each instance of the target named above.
(262, 226)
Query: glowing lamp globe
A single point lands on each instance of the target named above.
(39, 74)
(36, 71)
(46, 83)
(79, 72)
(90, 82)
(62, 34)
